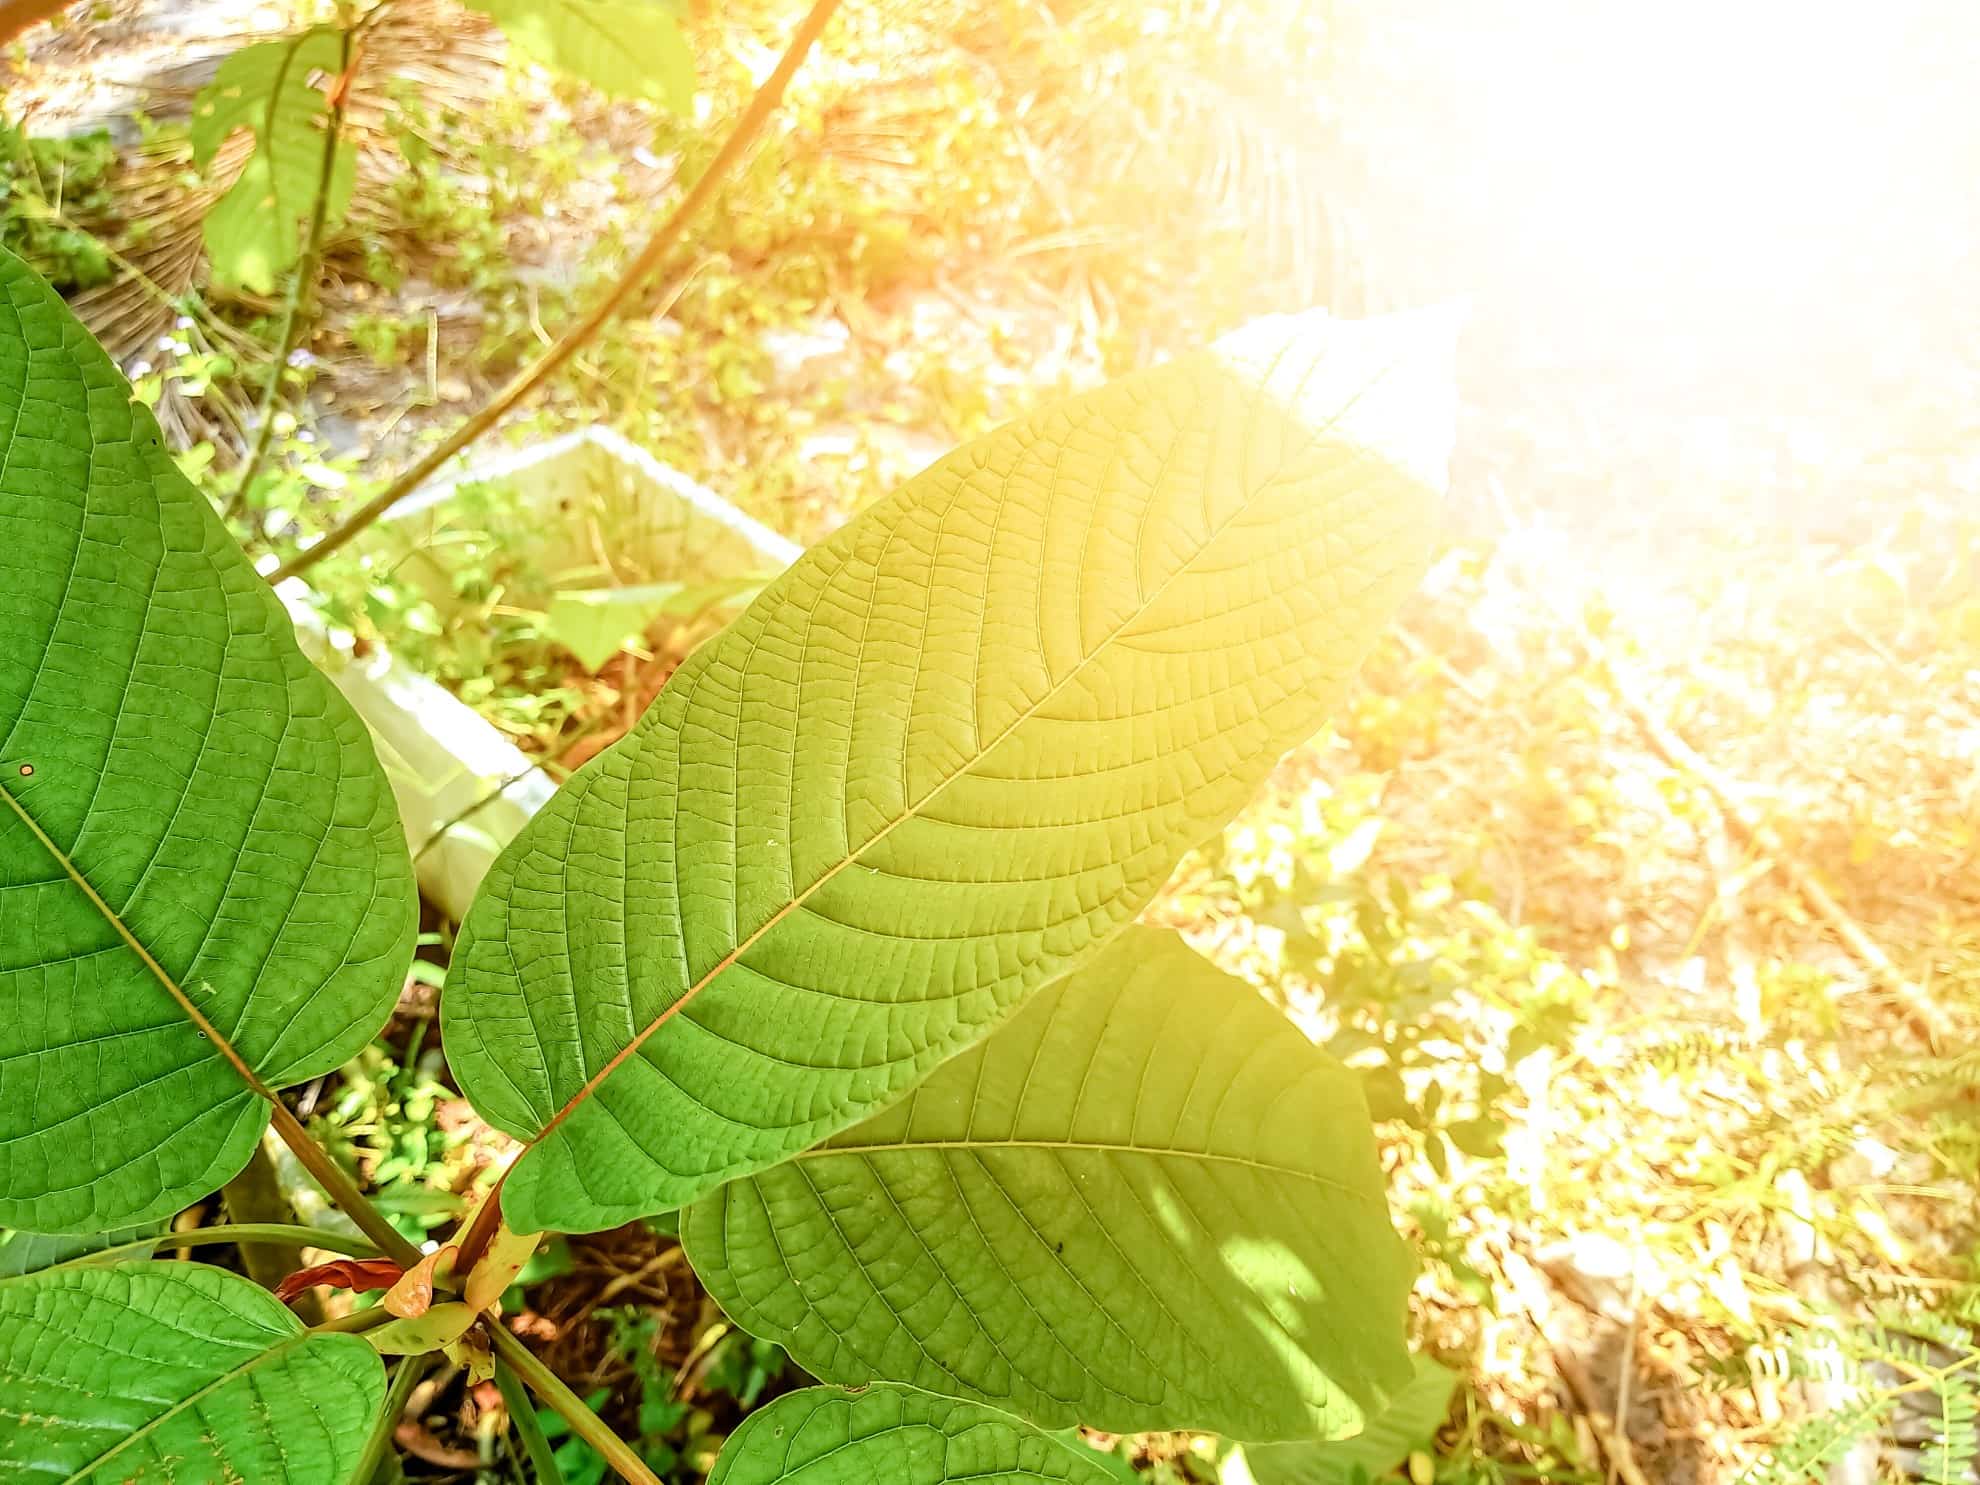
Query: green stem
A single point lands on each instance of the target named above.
(231, 1232)
(403, 1381)
(301, 289)
(256, 1196)
(356, 1321)
(656, 252)
(586, 1424)
(543, 1461)
(340, 1188)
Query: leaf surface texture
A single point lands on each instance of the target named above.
(161, 737)
(821, 1436)
(175, 1371)
(1410, 1421)
(1148, 1202)
(939, 762)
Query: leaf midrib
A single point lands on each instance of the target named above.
(206, 1028)
(1101, 1147)
(914, 810)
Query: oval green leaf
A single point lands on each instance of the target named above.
(939, 762)
(192, 820)
(137, 1371)
(821, 1436)
(627, 48)
(255, 232)
(1148, 1202)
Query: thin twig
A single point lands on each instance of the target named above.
(1610, 1433)
(652, 256)
(340, 1188)
(523, 1417)
(302, 287)
(543, 764)
(586, 1424)
(1925, 1017)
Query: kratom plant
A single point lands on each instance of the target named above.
(835, 951)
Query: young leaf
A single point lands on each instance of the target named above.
(254, 233)
(627, 48)
(1411, 1419)
(939, 762)
(147, 1370)
(594, 624)
(821, 1436)
(192, 821)
(1147, 1202)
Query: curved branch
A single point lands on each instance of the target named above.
(656, 251)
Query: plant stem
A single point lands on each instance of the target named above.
(541, 1458)
(403, 1381)
(657, 248)
(254, 1197)
(586, 1424)
(340, 1188)
(232, 1232)
(481, 1228)
(357, 1321)
(301, 288)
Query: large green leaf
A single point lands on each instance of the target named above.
(939, 762)
(175, 1371)
(191, 818)
(627, 48)
(1410, 1421)
(1148, 1202)
(821, 1436)
(254, 233)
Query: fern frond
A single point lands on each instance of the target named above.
(1949, 1460)
(1814, 1447)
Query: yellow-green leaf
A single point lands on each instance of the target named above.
(940, 761)
(1146, 1203)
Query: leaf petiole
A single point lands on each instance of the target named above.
(586, 1424)
(231, 1232)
